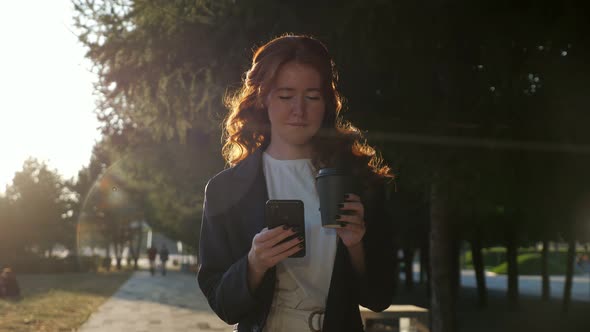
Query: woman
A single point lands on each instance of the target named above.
(283, 126)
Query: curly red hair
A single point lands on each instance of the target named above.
(247, 126)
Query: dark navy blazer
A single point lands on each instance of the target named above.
(234, 212)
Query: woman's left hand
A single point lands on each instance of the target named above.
(353, 223)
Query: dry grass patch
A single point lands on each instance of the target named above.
(58, 302)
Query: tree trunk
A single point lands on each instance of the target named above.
(408, 267)
(421, 274)
(479, 268)
(511, 259)
(569, 273)
(546, 290)
(137, 251)
(442, 304)
(397, 270)
(108, 258)
(424, 263)
(118, 250)
(426, 266)
(455, 267)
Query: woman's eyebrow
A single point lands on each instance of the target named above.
(285, 89)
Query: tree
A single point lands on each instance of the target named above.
(159, 100)
(111, 218)
(9, 242)
(38, 198)
(432, 82)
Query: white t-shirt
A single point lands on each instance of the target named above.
(302, 283)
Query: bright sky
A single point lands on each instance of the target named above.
(46, 95)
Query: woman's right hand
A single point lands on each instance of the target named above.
(265, 253)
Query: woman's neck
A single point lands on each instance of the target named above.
(288, 151)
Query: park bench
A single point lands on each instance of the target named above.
(396, 318)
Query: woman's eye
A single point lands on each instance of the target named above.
(285, 97)
(313, 97)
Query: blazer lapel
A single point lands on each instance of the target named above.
(250, 192)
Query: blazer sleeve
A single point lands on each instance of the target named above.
(378, 284)
(222, 279)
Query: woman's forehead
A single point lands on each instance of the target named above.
(294, 75)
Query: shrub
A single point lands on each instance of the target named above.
(496, 256)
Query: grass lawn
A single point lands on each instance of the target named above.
(58, 302)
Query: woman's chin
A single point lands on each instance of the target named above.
(300, 141)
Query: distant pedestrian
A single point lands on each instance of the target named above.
(584, 263)
(8, 284)
(152, 252)
(164, 258)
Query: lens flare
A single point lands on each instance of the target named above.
(111, 223)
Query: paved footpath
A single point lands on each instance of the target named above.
(148, 304)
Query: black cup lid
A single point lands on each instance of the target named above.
(330, 172)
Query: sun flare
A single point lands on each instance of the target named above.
(46, 109)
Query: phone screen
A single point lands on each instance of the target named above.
(286, 212)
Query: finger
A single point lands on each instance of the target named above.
(295, 249)
(350, 197)
(355, 219)
(353, 227)
(267, 234)
(266, 250)
(285, 254)
(277, 250)
(352, 206)
(280, 237)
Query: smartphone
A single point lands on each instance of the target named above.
(281, 212)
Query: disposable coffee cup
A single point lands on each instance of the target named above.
(332, 184)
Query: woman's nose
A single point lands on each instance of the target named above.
(298, 106)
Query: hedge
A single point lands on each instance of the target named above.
(529, 261)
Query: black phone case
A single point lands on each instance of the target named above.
(287, 212)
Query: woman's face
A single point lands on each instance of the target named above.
(295, 104)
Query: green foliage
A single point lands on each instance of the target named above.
(155, 61)
(443, 92)
(36, 211)
(161, 103)
(169, 179)
(498, 87)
